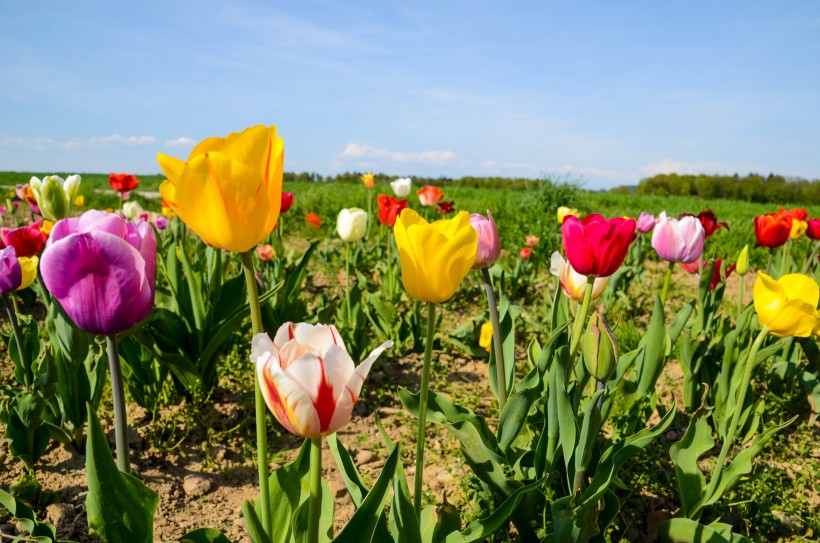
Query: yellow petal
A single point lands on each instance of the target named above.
(171, 167)
(250, 147)
(207, 146)
(275, 168)
(795, 318)
(168, 191)
(454, 261)
(800, 287)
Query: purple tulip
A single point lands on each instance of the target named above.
(11, 275)
(678, 240)
(489, 244)
(646, 222)
(101, 269)
(161, 223)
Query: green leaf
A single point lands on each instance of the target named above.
(589, 429)
(362, 526)
(684, 530)
(204, 535)
(41, 532)
(120, 507)
(653, 356)
(254, 525)
(480, 530)
(514, 416)
(403, 522)
(685, 454)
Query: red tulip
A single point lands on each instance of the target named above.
(596, 246)
(287, 201)
(796, 213)
(446, 207)
(389, 209)
(525, 253)
(716, 278)
(813, 229)
(773, 229)
(26, 240)
(430, 195)
(708, 220)
(123, 182)
(314, 220)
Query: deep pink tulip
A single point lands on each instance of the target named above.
(646, 222)
(678, 240)
(101, 269)
(596, 246)
(489, 243)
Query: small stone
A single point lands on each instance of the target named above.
(338, 488)
(671, 435)
(59, 513)
(787, 520)
(196, 486)
(365, 457)
(134, 468)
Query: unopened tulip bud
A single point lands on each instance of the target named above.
(743, 261)
(600, 348)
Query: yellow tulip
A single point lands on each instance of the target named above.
(564, 211)
(485, 341)
(368, 180)
(28, 265)
(798, 229)
(788, 306)
(230, 190)
(435, 257)
(79, 201)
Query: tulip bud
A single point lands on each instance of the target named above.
(600, 348)
(489, 243)
(743, 261)
(54, 196)
(351, 224)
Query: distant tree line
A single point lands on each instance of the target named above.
(750, 188)
(470, 182)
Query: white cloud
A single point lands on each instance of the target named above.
(365, 152)
(181, 142)
(44, 144)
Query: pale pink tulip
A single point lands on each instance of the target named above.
(678, 240)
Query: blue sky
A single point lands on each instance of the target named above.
(602, 92)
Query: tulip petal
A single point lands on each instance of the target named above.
(208, 145)
(250, 147)
(289, 402)
(801, 287)
(794, 318)
(96, 276)
(171, 167)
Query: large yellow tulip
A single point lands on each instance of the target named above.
(788, 306)
(230, 190)
(434, 257)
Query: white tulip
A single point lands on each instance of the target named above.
(401, 187)
(351, 224)
(132, 210)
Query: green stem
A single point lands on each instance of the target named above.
(666, 281)
(500, 368)
(740, 297)
(261, 427)
(425, 383)
(28, 374)
(580, 317)
(369, 212)
(391, 287)
(741, 397)
(347, 282)
(315, 510)
(118, 396)
(811, 259)
(785, 264)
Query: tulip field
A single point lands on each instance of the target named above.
(225, 353)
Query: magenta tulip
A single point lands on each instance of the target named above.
(101, 269)
(489, 244)
(11, 274)
(596, 246)
(678, 240)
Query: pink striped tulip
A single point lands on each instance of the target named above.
(646, 222)
(678, 240)
(307, 378)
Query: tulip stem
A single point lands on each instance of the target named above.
(740, 297)
(500, 368)
(118, 396)
(425, 383)
(666, 281)
(811, 259)
(11, 310)
(348, 317)
(315, 511)
(784, 263)
(738, 403)
(261, 427)
(580, 317)
(390, 282)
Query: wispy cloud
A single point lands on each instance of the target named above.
(367, 152)
(523, 168)
(100, 142)
(181, 142)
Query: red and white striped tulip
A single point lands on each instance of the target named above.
(308, 380)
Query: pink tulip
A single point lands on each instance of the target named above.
(489, 243)
(678, 240)
(646, 222)
(308, 380)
